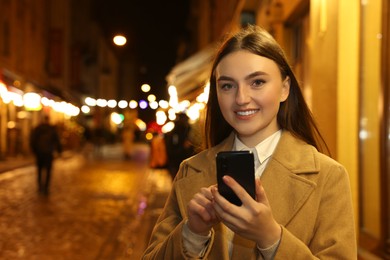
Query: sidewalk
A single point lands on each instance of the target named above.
(12, 163)
(105, 209)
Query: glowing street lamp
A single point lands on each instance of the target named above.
(145, 88)
(119, 40)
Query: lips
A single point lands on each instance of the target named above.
(246, 112)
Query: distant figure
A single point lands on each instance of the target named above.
(178, 144)
(44, 142)
(158, 156)
(128, 137)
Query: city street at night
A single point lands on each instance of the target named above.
(98, 208)
(110, 97)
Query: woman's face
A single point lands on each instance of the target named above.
(249, 90)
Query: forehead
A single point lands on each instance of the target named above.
(245, 62)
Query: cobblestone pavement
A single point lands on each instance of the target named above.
(96, 209)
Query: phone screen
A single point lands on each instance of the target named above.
(240, 166)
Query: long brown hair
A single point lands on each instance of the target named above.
(294, 114)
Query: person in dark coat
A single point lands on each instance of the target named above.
(178, 144)
(44, 142)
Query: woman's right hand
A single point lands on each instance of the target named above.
(201, 213)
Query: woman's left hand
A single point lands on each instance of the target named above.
(253, 219)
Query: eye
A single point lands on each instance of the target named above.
(226, 86)
(258, 82)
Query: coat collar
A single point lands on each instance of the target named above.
(282, 178)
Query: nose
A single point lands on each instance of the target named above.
(242, 95)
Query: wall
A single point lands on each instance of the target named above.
(58, 43)
(323, 31)
(370, 117)
(347, 93)
(25, 50)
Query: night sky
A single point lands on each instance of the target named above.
(154, 29)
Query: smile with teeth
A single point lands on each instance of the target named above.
(247, 112)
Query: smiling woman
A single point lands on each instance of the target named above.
(255, 104)
(250, 89)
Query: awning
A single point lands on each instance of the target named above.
(192, 74)
(25, 85)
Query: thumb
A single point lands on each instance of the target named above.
(261, 197)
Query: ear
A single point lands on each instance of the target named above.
(285, 89)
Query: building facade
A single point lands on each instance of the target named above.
(55, 49)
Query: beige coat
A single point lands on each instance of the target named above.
(309, 194)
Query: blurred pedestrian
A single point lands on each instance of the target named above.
(158, 152)
(128, 137)
(178, 144)
(44, 142)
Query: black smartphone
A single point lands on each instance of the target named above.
(240, 166)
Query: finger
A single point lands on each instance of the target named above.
(241, 193)
(195, 208)
(205, 199)
(208, 199)
(261, 196)
(220, 200)
(207, 193)
(224, 210)
(204, 202)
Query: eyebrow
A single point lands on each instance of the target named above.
(252, 75)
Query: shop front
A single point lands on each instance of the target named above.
(22, 104)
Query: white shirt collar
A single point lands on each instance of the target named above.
(264, 149)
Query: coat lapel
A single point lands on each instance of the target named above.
(199, 171)
(286, 190)
(187, 187)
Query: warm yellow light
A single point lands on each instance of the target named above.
(17, 99)
(32, 101)
(3, 89)
(193, 111)
(161, 117)
(111, 103)
(90, 101)
(163, 104)
(119, 40)
(149, 136)
(153, 105)
(122, 104)
(101, 102)
(172, 91)
(151, 98)
(133, 104)
(172, 112)
(45, 101)
(71, 110)
(22, 115)
(116, 118)
(168, 127)
(145, 88)
(85, 109)
(141, 124)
